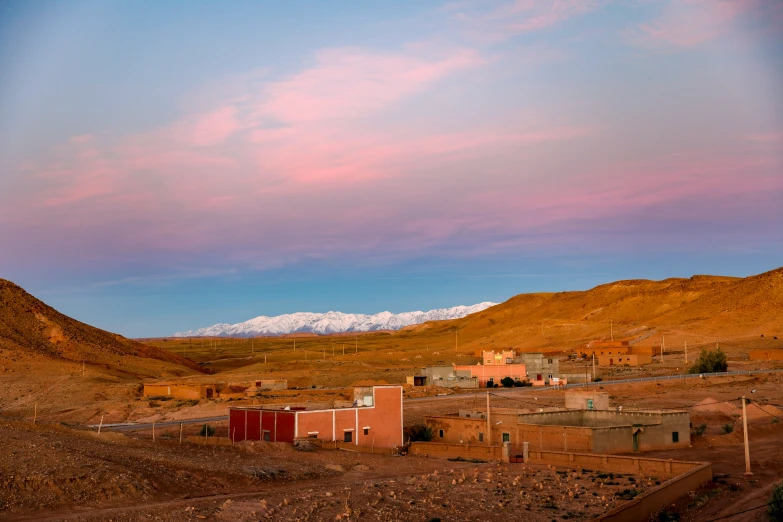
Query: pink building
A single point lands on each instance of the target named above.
(495, 367)
(375, 420)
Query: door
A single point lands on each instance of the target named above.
(636, 441)
(611, 362)
(348, 436)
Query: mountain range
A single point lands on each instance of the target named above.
(331, 322)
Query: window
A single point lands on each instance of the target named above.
(366, 431)
(440, 433)
(348, 436)
(267, 436)
(550, 361)
(589, 404)
(489, 361)
(506, 437)
(481, 437)
(675, 436)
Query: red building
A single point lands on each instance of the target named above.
(374, 420)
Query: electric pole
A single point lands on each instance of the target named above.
(745, 430)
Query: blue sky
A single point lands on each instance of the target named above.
(164, 166)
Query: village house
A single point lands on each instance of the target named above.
(226, 390)
(374, 420)
(591, 427)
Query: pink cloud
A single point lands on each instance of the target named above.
(214, 127)
(500, 20)
(688, 23)
(350, 83)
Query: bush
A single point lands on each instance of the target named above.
(775, 505)
(700, 429)
(507, 382)
(598, 379)
(207, 430)
(711, 362)
(727, 428)
(420, 433)
(518, 384)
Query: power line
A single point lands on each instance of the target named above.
(765, 411)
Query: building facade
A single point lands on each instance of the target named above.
(374, 420)
(623, 360)
(541, 370)
(590, 431)
(443, 376)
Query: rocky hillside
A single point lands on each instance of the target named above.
(30, 328)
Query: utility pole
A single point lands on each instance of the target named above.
(294, 344)
(663, 341)
(456, 334)
(611, 329)
(356, 345)
(489, 424)
(745, 430)
(593, 366)
(686, 352)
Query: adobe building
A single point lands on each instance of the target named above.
(606, 348)
(586, 400)
(374, 420)
(587, 431)
(615, 348)
(766, 355)
(188, 390)
(443, 376)
(623, 360)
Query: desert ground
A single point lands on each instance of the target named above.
(60, 378)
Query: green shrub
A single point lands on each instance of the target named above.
(710, 362)
(727, 428)
(507, 382)
(207, 430)
(775, 504)
(667, 516)
(700, 429)
(598, 379)
(420, 433)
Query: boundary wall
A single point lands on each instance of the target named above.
(680, 477)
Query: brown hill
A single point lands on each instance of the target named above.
(701, 307)
(30, 330)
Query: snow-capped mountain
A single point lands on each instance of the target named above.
(331, 322)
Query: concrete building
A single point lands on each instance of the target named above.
(374, 420)
(766, 355)
(443, 376)
(623, 360)
(541, 370)
(583, 430)
(188, 390)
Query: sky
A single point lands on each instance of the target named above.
(171, 165)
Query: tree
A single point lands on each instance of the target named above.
(420, 433)
(775, 505)
(711, 362)
(507, 382)
(207, 430)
